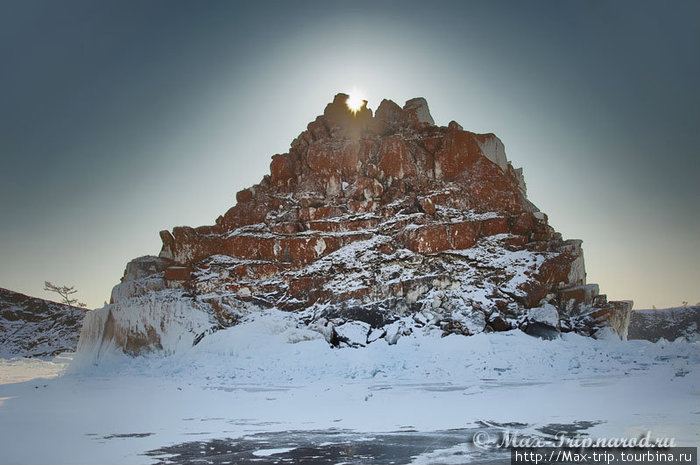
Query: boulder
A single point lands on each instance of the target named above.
(547, 314)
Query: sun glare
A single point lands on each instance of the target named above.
(355, 101)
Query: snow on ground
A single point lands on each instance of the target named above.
(20, 369)
(268, 376)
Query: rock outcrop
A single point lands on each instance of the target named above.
(371, 226)
(31, 327)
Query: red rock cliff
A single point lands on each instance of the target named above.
(372, 219)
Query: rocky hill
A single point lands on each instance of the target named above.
(668, 323)
(31, 327)
(370, 227)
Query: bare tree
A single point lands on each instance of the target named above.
(65, 292)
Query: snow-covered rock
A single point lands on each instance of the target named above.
(143, 267)
(669, 324)
(546, 314)
(395, 330)
(353, 333)
(31, 327)
(543, 322)
(369, 227)
(164, 321)
(606, 334)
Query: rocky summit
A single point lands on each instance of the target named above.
(371, 226)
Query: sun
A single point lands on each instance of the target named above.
(356, 100)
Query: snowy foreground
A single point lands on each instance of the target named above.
(268, 392)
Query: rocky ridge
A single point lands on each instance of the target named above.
(668, 323)
(370, 227)
(31, 327)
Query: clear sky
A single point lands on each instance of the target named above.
(119, 119)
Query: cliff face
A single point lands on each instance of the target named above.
(370, 227)
(31, 327)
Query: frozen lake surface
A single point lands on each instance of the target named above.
(234, 399)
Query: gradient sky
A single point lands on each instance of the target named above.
(119, 119)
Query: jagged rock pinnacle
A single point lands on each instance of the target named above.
(380, 220)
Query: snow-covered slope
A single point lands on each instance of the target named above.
(31, 327)
(293, 352)
(269, 390)
(669, 323)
